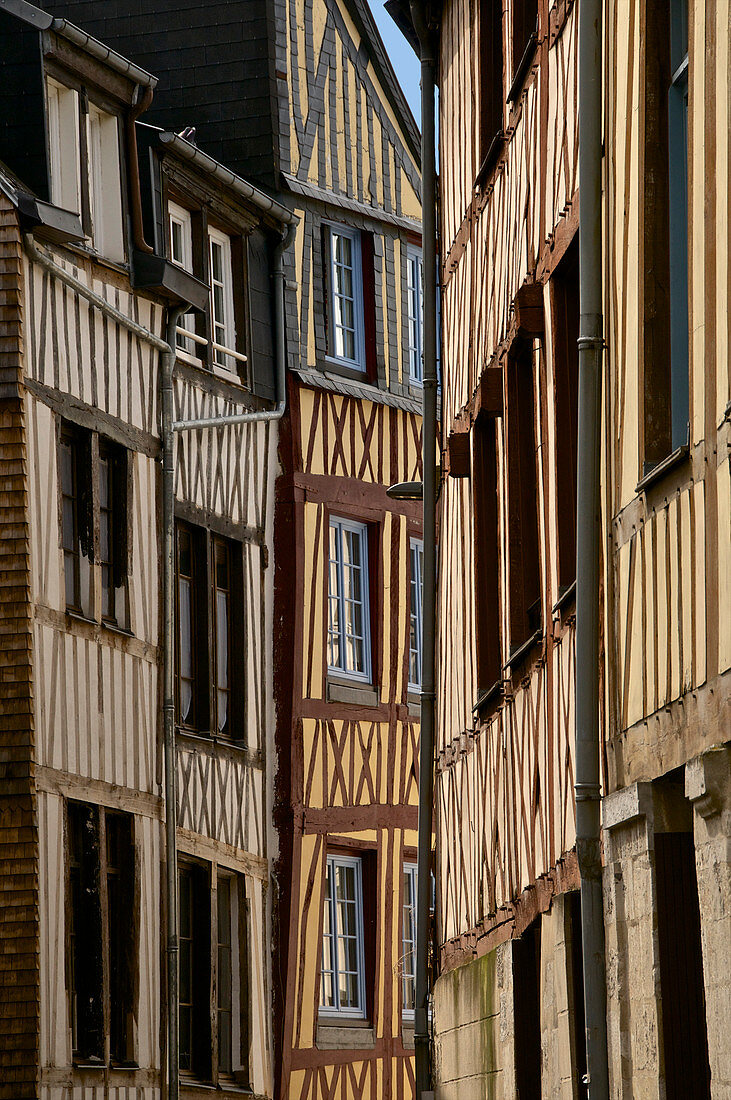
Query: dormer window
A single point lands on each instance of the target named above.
(105, 197)
(223, 326)
(64, 145)
(85, 166)
(215, 339)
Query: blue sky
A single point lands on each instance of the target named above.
(404, 60)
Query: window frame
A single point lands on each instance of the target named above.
(341, 524)
(106, 234)
(88, 449)
(416, 554)
(204, 543)
(415, 323)
(65, 192)
(196, 335)
(205, 878)
(410, 873)
(94, 891)
(219, 359)
(524, 537)
(358, 362)
(665, 381)
(329, 1012)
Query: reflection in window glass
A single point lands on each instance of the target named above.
(416, 592)
(348, 628)
(408, 968)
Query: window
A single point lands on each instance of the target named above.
(63, 142)
(213, 338)
(223, 327)
(211, 956)
(342, 980)
(181, 253)
(524, 564)
(490, 76)
(105, 196)
(415, 272)
(84, 528)
(565, 297)
(86, 166)
(194, 936)
(525, 29)
(208, 591)
(408, 964)
(113, 532)
(666, 334)
(101, 934)
(487, 567)
(346, 337)
(349, 613)
(415, 624)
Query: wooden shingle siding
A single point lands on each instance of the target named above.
(19, 942)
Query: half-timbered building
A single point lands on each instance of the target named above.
(508, 1010)
(102, 245)
(507, 1002)
(667, 516)
(301, 97)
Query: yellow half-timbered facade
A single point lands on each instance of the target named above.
(348, 567)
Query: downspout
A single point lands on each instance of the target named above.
(429, 450)
(167, 349)
(588, 533)
(143, 99)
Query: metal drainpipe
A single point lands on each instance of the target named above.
(429, 446)
(588, 533)
(167, 348)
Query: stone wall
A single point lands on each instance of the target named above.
(474, 1020)
(473, 1029)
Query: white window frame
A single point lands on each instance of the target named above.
(358, 362)
(361, 530)
(219, 358)
(64, 144)
(105, 183)
(178, 215)
(410, 873)
(416, 579)
(238, 965)
(357, 1012)
(415, 316)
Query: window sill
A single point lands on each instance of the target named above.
(80, 617)
(347, 369)
(491, 158)
(115, 628)
(657, 472)
(414, 703)
(523, 68)
(488, 699)
(523, 650)
(191, 1086)
(352, 691)
(566, 599)
(345, 1035)
(407, 1033)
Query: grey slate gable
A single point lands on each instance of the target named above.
(215, 62)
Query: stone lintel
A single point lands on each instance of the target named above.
(708, 781)
(625, 805)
